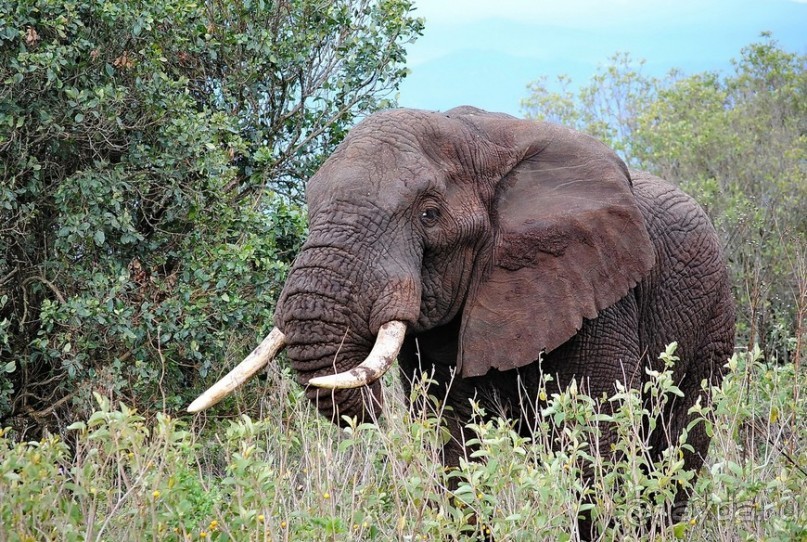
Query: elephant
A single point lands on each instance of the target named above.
(487, 251)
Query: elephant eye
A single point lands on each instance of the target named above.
(430, 216)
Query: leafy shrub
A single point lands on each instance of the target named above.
(293, 475)
(152, 158)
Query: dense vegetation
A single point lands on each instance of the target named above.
(295, 476)
(152, 160)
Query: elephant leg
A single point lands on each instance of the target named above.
(605, 350)
(435, 363)
(433, 356)
(705, 369)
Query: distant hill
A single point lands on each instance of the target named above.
(489, 63)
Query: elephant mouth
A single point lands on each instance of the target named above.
(387, 345)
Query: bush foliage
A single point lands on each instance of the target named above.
(294, 476)
(152, 157)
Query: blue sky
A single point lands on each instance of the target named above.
(485, 52)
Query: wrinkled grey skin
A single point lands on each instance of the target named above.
(447, 222)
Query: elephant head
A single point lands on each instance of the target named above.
(514, 230)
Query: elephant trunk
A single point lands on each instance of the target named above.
(326, 345)
(331, 317)
(387, 345)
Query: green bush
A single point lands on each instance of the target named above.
(753, 487)
(152, 158)
(294, 476)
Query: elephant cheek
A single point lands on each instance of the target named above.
(341, 406)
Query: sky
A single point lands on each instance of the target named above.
(485, 52)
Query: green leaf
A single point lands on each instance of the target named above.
(77, 426)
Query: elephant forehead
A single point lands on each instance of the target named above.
(383, 174)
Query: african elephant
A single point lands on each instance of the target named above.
(471, 244)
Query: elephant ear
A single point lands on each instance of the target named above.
(569, 241)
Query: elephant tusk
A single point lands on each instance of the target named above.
(257, 359)
(387, 345)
